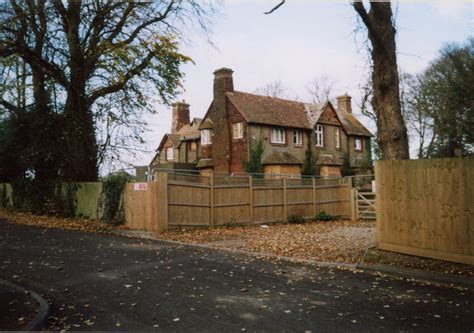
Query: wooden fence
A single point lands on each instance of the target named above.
(426, 208)
(364, 205)
(191, 200)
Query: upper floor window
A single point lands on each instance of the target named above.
(206, 137)
(169, 153)
(357, 144)
(337, 138)
(278, 135)
(297, 138)
(238, 130)
(319, 136)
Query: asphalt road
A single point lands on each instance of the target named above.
(105, 282)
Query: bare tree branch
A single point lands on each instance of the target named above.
(275, 8)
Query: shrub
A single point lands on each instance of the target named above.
(113, 199)
(323, 216)
(296, 219)
(309, 166)
(254, 164)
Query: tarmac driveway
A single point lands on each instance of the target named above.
(106, 282)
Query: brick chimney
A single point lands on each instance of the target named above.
(223, 82)
(344, 103)
(180, 116)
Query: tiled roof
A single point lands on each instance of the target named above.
(187, 132)
(314, 111)
(328, 159)
(174, 138)
(279, 157)
(204, 162)
(281, 112)
(270, 110)
(191, 131)
(351, 125)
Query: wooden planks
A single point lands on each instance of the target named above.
(211, 202)
(425, 208)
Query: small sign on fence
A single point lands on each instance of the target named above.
(140, 186)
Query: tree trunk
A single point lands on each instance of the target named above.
(81, 164)
(391, 130)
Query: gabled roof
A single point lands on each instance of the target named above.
(191, 131)
(185, 133)
(270, 110)
(351, 125)
(314, 111)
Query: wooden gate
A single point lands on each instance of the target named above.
(365, 205)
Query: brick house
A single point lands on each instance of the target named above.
(179, 149)
(235, 121)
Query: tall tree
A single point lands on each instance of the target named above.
(391, 130)
(320, 89)
(442, 104)
(273, 89)
(107, 60)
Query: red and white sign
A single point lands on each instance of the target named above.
(140, 186)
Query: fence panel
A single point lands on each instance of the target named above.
(193, 200)
(140, 206)
(189, 204)
(425, 208)
(231, 204)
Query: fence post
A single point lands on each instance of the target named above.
(211, 196)
(285, 207)
(250, 198)
(353, 204)
(314, 196)
(161, 200)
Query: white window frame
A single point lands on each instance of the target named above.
(357, 143)
(170, 154)
(297, 138)
(238, 130)
(337, 138)
(319, 136)
(278, 135)
(206, 137)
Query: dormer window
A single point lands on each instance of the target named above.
(278, 135)
(206, 137)
(319, 136)
(169, 153)
(357, 144)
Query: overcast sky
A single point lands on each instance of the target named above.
(302, 40)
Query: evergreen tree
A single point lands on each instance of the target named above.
(309, 165)
(254, 165)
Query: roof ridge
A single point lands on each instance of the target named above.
(263, 96)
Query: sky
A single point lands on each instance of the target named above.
(302, 40)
